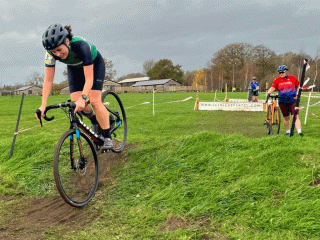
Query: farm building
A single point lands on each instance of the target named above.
(131, 81)
(164, 85)
(110, 86)
(29, 90)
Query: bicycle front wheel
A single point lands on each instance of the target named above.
(75, 168)
(117, 119)
(268, 121)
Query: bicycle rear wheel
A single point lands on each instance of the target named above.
(117, 119)
(76, 177)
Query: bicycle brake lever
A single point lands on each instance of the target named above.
(38, 112)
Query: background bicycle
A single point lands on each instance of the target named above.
(75, 162)
(273, 117)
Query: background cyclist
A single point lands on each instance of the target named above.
(287, 86)
(255, 89)
(86, 72)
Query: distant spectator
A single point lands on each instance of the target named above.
(255, 89)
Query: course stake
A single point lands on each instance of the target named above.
(17, 127)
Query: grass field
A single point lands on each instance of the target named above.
(216, 172)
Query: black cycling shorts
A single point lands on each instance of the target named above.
(255, 93)
(76, 77)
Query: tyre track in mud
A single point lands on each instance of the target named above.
(29, 218)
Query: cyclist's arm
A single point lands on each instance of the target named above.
(88, 74)
(47, 84)
(271, 90)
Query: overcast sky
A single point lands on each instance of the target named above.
(129, 32)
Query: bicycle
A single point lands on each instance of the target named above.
(249, 97)
(272, 117)
(75, 162)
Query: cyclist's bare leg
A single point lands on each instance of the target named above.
(102, 113)
(286, 121)
(298, 123)
(75, 96)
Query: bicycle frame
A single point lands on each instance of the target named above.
(117, 120)
(272, 107)
(76, 123)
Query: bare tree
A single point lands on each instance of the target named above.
(231, 60)
(110, 73)
(36, 79)
(147, 65)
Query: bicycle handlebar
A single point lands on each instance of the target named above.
(271, 96)
(71, 105)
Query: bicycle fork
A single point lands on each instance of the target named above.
(82, 159)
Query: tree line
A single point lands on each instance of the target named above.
(234, 65)
(237, 63)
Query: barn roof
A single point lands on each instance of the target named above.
(151, 82)
(128, 80)
(26, 87)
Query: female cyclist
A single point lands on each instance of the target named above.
(86, 72)
(288, 87)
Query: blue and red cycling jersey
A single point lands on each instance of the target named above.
(287, 88)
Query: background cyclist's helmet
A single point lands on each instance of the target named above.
(254, 78)
(54, 36)
(282, 68)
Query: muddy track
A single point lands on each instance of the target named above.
(28, 218)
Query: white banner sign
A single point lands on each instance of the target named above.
(229, 106)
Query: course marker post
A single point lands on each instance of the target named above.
(153, 102)
(308, 104)
(304, 69)
(196, 105)
(17, 127)
(226, 91)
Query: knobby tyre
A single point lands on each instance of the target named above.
(76, 178)
(117, 119)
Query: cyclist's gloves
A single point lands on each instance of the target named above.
(38, 112)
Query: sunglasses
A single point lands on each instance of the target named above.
(281, 72)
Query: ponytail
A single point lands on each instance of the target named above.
(68, 28)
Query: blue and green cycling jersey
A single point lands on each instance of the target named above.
(81, 53)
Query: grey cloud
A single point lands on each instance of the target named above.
(129, 32)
